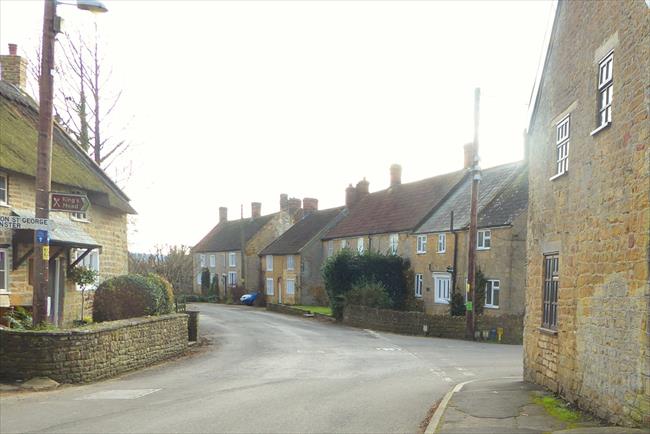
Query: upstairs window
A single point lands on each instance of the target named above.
(4, 188)
(202, 260)
(79, 216)
(484, 239)
(492, 288)
(421, 244)
(562, 134)
(290, 263)
(605, 89)
(269, 262)
(232, 259)
(442, 243)
(550, 291)
(393, 242)
(418, 285)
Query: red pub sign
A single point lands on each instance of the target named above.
(68, 202)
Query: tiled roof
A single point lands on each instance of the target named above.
(226, 236)
(70, 164)
(494, 207)
(293, 240)
(396, 209)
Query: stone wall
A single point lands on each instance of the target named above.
(595, 217)
(281, 308)
(93, 352)
(440, 326)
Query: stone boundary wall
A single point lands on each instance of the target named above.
(93, 352)
(281, 308)
(440, 326)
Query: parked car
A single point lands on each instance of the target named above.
(249, 299)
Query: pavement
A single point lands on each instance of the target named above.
(508, 406)
(271, 373)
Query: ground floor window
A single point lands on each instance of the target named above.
(269, 286)
(418, 285)
(291, 286)
(4, 274)
(492, 288)
(90, 261)
(442, 288)
(550, 291)
(232, 278)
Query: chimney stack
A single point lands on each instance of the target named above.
(395, 175)
(309, 205)
(469, 152)
(284, 202)
(223, 214)
(256, 209)
(13, 68)
(350, 196)
(362, 188)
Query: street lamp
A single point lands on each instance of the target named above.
(44, 152)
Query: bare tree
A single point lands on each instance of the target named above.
(174, 263)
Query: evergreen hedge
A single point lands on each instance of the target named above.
(130, 296)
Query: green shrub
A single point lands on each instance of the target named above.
(19, 318)
(369, 294)
(457, 305)
(167, 304)
(348, 268)
(128, 296)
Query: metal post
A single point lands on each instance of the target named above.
(471, 260)
(44, 164)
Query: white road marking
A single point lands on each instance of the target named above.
(389, 349)
(468, 374)
(119, 394)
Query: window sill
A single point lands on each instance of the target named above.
(482, 248)
(442, 252)
(556, 176)
(441, 302)
(4, 205)
(600, 128)
(420, 253)
(491, 306)
(75, 219)
(547, 331)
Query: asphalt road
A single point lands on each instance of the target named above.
(267, 372)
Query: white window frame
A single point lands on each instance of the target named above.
(481, 240)
(4, 279)
(290, 287)
(605, 91)
(421, 245)
(290, 263)
(269, 262)
(344, 244)
(360, 245)
(330, 248)
(490, 288)
(232, 259)
(79, 216)
(562, 139)
(442, 243)
(202, 260)
(213, 261)
(441, 294)
(198, 277)
(393, 243)
(269, 287)
(87, 262)
(4, 192)
(232, 278)
(418, 285)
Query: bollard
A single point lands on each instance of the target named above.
(193, 325)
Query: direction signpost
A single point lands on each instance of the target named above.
(68, 202)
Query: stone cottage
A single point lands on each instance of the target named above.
(291, 265)
(587, 301)
(96, 238)
(439, 256)
(383, 221)
(231, 249)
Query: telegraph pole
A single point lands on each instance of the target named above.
(471, 260)
(44, 165)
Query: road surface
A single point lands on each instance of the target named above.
(267, 372)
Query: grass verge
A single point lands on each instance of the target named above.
(559, 410)
(323, 310)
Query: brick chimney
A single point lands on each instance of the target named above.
(223, 214)
(256, 209)
(284, 202)
(395, 175)
(294, 205)
(309, 205)
(13, 68)
(350, 196)
(469, 155)
(362, 188)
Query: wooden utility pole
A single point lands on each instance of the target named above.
(44, 165)
(471, 260)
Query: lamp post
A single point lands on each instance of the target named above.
(51, 26)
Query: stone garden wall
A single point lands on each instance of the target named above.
(93, 352)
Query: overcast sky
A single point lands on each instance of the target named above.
(234, 102)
